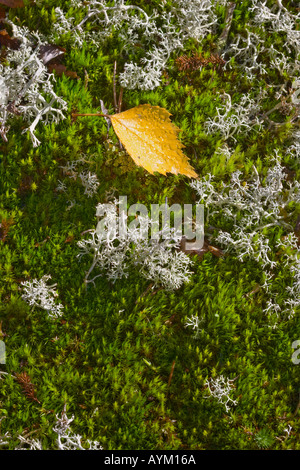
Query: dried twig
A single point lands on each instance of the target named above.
(228, 20)
(117, 103)
(120, 100)
(114, 87)
(86, 79)
(90, 114)
(171, 373)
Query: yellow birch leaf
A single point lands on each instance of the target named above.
(150, 138)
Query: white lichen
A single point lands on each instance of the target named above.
(37, 293)
(27, 88)
(158, 260)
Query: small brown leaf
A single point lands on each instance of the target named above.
(61, 69)
(200, 253)
(7, 41)
(11, 107)
(49, 52)
(216, 251)
(13, 3)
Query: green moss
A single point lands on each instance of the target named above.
(109, 357)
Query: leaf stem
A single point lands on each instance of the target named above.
(90, 114)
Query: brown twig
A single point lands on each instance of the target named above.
(228, 20)
(114, 87)
(90, 114)
(171, 373)
(254, 291)
(120, 100)
(117, 103)
(86, 79)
